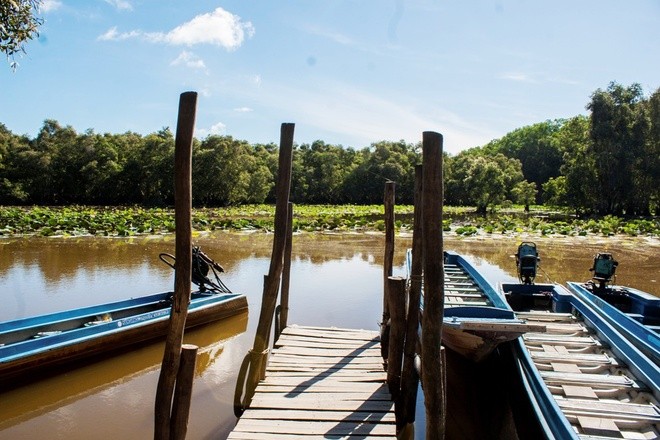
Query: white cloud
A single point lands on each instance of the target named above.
(189, 59)
(122, 5)
(112, 35)
(517, 76)
(50, 5)
(218, 28)
(219, 129)
(243, 110)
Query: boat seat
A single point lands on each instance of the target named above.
(566, 329)
(603, 380)
(546, 316)
(611, 409)
(452, 287)
(575, 358)
(462, 295)
(538, 339)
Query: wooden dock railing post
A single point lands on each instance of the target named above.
(283, 308)
(254, 365)
(397, 300)
(387, 266)
(432, 204)
(183, 264)
(405, 410)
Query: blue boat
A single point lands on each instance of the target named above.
(38, 343)
(634, 313)
(582, 376)
(476, 317)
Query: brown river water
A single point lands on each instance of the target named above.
(336, 280)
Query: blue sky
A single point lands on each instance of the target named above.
(346, 72)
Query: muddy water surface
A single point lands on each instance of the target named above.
(336, 280)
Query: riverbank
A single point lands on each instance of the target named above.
(458, 221)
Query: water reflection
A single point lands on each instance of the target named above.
(336, 280)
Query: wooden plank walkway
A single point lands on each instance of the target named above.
(321, 383)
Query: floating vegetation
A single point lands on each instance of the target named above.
(128, 221)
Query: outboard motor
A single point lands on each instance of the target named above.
(604, 268)
(527, 260)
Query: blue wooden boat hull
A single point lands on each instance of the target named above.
(36, 343)
(476, 318)
(567, 416)
(637, 320)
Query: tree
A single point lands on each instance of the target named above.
(576, 187)
(536, 147)
(381, 162)
(618, 131)
(18, 25)
(524, 192)
(482, 180)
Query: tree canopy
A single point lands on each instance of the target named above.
(606, 163)
(19, 24)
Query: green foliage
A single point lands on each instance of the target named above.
(18, 25)
(113, 221)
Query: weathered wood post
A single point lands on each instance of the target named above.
(286, 274)
(397, 300)
(432, 195)
(183, 264)
(387, 266)
(259, 350)
(183, 392)
(405, 410)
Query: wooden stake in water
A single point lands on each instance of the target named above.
(182, 266)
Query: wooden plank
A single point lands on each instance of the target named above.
(564, 356)
(269, 436)
(362, 428)
(600, 427)
(348, 416)
(611, 409)
(565, 367)
(321, 383)
(579, 391)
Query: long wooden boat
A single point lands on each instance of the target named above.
(583, 378)
(634, 313)
(476, 317)
(40, 342)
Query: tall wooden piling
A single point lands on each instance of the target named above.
(286, 273)
(409, 378)
(388, 260)
(182, 265)
(183, 392)
(397, 300)
(259, 352)
(432, 248)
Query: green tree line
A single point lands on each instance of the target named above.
(605, 163)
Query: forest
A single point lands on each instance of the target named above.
(605, 163)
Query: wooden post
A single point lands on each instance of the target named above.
(432, 195)
(397, 301)
(183, 392)
(272, 280)
(409, 378)
(286, 272)
(182, 265)
(387, 265)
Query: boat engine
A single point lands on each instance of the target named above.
(527, 260)
(202, 266)
(604, 268)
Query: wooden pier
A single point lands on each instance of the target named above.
(321, 383)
